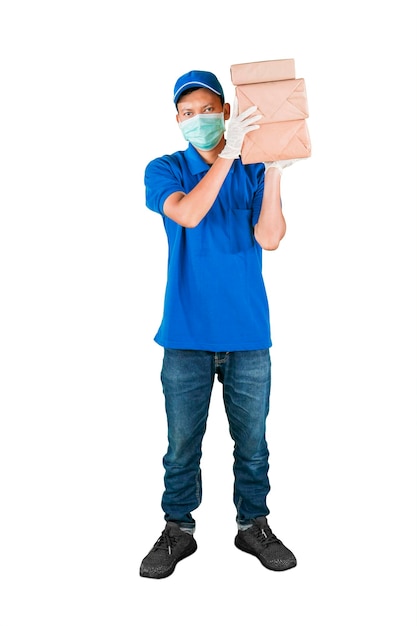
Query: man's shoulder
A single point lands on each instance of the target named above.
(173, 158)
(167, 164)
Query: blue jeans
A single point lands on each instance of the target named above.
(187, 380)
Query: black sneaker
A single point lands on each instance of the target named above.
(260, 541)
(173, 545)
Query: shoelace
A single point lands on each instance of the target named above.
(265, 535)
(165, 542)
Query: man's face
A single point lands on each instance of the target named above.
(199, 102)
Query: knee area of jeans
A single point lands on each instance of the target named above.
(252, 451)
(183, 455)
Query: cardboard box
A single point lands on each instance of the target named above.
(262, 71)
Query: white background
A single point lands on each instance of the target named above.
(86, 102)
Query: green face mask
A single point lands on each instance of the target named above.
(204, 131)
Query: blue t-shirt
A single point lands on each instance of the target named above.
(215, 296)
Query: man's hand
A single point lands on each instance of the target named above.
(238, 126)
(280, 165)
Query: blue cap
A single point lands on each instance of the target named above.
(199, 79)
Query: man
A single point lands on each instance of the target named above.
(218, 215)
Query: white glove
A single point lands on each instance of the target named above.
(280, 165)
(238, 126)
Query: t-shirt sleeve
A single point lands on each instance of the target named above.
(259, 177)
(161, 180)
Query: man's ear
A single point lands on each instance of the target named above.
(226, 110)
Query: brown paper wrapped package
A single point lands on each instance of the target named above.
(262, 71)
(277, 141)
(279, 101)
(283, 132)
